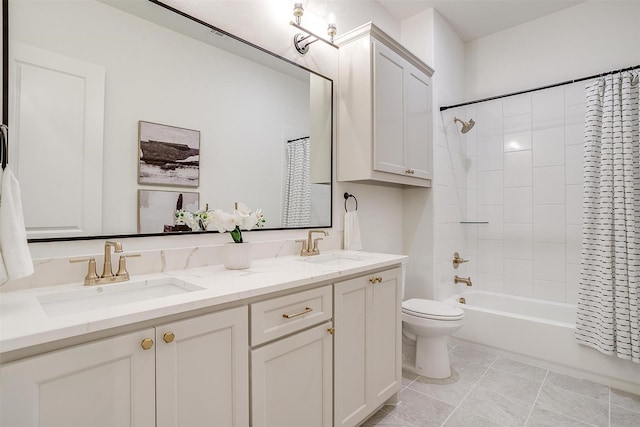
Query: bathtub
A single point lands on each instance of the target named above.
(539, 332)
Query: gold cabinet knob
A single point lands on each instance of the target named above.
(146, 343)
(373, 280)
(331, 330)
(168, 337)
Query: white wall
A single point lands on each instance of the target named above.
(432, 229)
(587, 39)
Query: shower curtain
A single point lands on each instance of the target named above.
(297, 191)
(609, 288)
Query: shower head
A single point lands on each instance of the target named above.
(466, 126)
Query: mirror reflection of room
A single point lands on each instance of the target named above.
(92, 92)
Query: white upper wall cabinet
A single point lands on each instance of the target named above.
(385, 123)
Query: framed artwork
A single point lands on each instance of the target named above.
(156, 210)
(168, 155)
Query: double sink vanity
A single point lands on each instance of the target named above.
(291, 341)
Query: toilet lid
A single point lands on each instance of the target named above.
(431, 309)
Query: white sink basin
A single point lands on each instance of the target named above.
(110, 295)
(335, 259)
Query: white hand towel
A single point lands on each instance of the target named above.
(352, 239)
(14, 250)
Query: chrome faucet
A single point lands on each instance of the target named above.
(466, 281)
(122, 275)
(310, 246)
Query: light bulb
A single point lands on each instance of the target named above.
(298, 11)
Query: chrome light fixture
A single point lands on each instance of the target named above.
(300, 41)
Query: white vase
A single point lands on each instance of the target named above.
(237, 256)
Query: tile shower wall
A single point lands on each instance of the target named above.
(522, 165)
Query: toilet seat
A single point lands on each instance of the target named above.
(429, 309)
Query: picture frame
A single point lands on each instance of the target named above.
(168, 155)
(157, 208)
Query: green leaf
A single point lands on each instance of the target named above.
(236, 235)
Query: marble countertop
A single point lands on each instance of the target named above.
(24, 323)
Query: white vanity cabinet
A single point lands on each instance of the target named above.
(291, 375)
(385, 124)
(368, 352)
(192, 372)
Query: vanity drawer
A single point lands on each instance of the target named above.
(280, 316)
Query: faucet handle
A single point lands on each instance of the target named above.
(92, 277)
(122, 265)
(304, 249)
(315, 244)
(457, 260)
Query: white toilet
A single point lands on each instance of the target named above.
(429, 323)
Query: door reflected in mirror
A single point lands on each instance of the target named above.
(84, 73)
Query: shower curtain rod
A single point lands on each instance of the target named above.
(297, 139)
(540, 88)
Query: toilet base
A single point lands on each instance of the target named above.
(432, 357)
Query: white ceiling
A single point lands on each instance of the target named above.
(473, 19)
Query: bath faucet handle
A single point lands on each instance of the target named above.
(315, 244)
(92, 276)
(122, 265)
(457, 260)
(304, 251)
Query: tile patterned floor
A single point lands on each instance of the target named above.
(489, 390)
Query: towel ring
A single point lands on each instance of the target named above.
(346, 197)
(4, 149)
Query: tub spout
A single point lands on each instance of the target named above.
(466, 281)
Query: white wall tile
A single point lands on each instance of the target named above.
(489, 121)
(516, 141)
(471, 167)
(489, 282)
(574, 243)
(518, 205)
(548, 108)
(548, 147)
(575, 114)
(550, 290)
(490, 256)
(490, 188)
(515, 105)
(548, 223)
(518, 277)
(574, 134)
(573, 163)
(471, 206)
(493, 214)
(549, 261)
(518, 171)
(574, 204)
(490, 154)
(548, 185)
(573, 275)
(518, 241)
(575, 93)
(519, 123)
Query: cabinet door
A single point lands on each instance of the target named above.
(350, 357)
(107, 383)
(203, 370)
(388, 110)
(291, 380)
(419, 122)
(384, 337)
(367, 357)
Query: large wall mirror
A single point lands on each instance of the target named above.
(120, 111)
